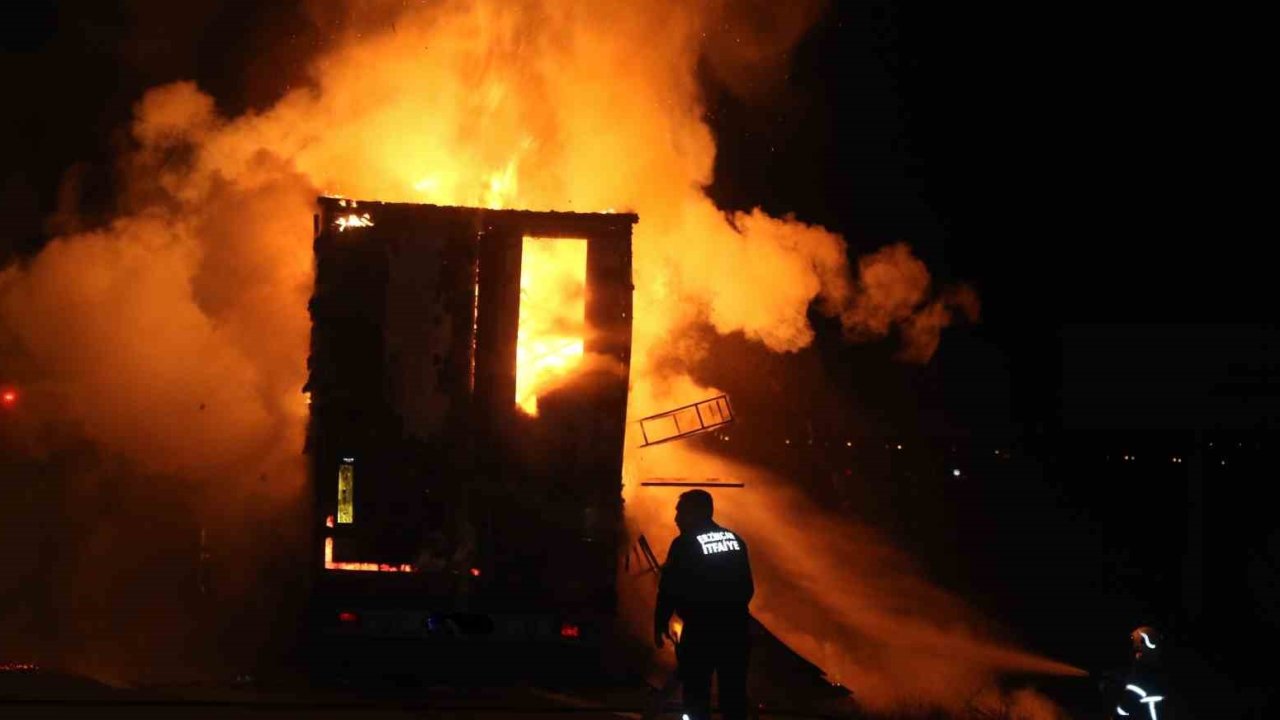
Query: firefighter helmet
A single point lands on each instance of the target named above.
(1147, 642)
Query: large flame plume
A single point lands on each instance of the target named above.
(175, 335)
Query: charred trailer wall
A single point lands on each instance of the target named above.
(413, 383)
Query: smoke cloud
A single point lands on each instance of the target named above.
(173, 339)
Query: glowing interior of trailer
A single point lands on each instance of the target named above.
(550, 337)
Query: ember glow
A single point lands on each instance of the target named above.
(331, 564)
(353, 221)
(552, 330)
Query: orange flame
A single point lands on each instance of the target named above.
(550, 338)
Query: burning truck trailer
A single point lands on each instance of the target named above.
(468, 393)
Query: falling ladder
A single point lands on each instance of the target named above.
(686, 421)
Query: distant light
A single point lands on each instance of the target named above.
(328, 522)
(9, 397)
(956, 472)
(569, 630)
(899, 447)
(1224, 463)
(848, 444)
(348, 459)
(348, 617)
(788, 442)
(475, 572)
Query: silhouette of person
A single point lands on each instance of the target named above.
(707, 582)
(1142, 692)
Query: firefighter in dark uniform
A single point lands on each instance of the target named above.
(707, 582)
(1142, 692)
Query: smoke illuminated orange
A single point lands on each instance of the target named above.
(551, 335)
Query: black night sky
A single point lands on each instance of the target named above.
(1065, 161)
